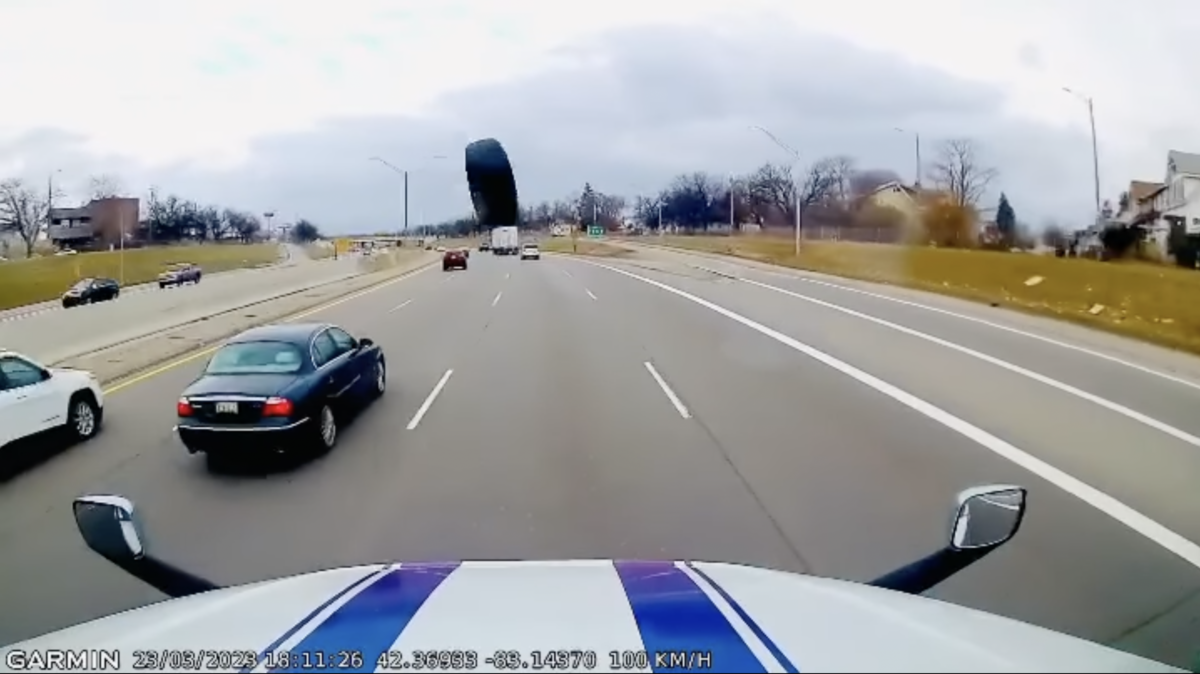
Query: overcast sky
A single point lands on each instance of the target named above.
(277, 104)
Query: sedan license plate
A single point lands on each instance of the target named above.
(227, 408)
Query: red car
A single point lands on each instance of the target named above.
(454, 259)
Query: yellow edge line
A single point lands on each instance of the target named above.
(148, 374)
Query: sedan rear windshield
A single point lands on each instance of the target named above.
(256, 358)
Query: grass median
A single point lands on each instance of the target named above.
(583, 247)
(1154, 303)
(28, 281)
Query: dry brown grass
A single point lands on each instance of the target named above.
(1155, 303)
(582, 246)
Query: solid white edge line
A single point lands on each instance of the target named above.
(400, 306)
(1139, 417)
(993, 324)
(590, 293)
(662, 384)
(756, 646)
(1150, 529)
(429, 400)
(498, 296)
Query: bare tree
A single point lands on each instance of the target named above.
(958, 171)
(818, 184)
(842, 171)
(23, 210)
(105, 186)
(771, 189)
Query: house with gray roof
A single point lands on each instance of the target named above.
(1172, 204)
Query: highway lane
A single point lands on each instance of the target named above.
(1124, 430)
(551, 438)
(976, 326)
(883, 467)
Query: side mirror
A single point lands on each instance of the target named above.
(365, 342)
(986, 517)
(110, 528)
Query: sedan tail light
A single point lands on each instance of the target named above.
(277, 407)
(183, 408)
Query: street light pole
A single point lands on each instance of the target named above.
(1095, 148)
(403, 172)
(795, 187)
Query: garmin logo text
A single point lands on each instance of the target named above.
(63, 660)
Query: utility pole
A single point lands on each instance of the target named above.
(121, 235)
(731, 188)
(1095, 157)
(406, 202)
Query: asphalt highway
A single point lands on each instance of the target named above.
(651, 408)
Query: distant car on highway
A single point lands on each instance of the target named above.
(278, 388)
(36, 400)
(454, 259)
(178, 274)
(89, 290)
(530, 251)
(484, 246)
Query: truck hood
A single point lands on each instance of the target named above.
(720, 617)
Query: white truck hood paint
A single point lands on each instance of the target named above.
(720, 617)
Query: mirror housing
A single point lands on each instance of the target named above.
(987, 517)
(984, 518)
(366, 342)
(110, 528)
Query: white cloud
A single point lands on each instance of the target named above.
(201, 81)
(171, 80)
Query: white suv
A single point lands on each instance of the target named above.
(35, 399)
(530, 252)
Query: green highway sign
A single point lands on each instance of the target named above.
(595, 231)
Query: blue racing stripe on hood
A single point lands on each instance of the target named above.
(674, 616)
(758, 631)
(372, 620)
(308, 618)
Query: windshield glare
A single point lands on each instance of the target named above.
(256, 358)
(82, 284)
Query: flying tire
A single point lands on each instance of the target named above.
(493, 188)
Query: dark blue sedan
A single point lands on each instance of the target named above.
(279, 388)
